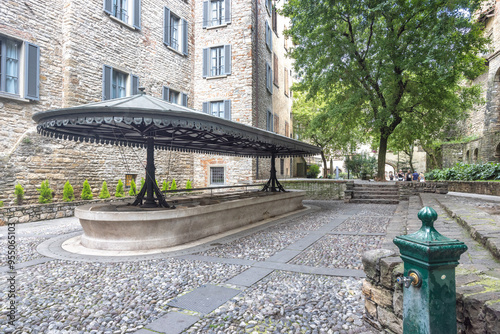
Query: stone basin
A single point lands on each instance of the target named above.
(120, 227)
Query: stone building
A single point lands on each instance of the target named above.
(225, 57)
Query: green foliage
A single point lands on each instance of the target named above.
(119, 189)
(174, 185)
(188, 184)
(86, 191)
(312, 171)
(19, 192)
(466, 172)
(68, 192)
(104, 191)
(142, 185)
(361, 164)
(133, 188)
(388, 63)
(164, 186)
(1, 204)
(45, 193)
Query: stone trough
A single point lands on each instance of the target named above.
(121, 227)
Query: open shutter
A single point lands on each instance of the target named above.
(184, 37)
(107, 74)
(166, 26)
(205, 107)
(227, 9)
(134, 88)
(206, 62)
(205, 15)
(267, 35)
(137, 14)
(165, 93)
(227, 59)
(32, 77)
(227, 109)
(108, 6)
(270, 38)
(184, 99)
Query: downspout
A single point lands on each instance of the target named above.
(256, 78)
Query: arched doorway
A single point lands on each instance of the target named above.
(497, 153)
(467, 157)
(476, 154)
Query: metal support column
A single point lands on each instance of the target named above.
(273, 184)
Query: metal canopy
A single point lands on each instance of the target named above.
(148, 122)
(129, 121)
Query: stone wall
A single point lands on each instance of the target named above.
(475, 187)
(407, 189)
(323, 189)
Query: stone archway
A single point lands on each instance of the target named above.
(467, 157)
(476, 155)
(497, 152)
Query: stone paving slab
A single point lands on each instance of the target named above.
(204, 299)
(250, 277)
(172, 323)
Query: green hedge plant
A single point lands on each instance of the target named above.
(68, 192)
(45, 193)
(104, 191)
(19, 192)
(174, 185)
(133, 188)
(86, 191)
(466, 172)
(188, 184)
(119, 189)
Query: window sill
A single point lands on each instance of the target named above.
(217, 26)
(125, 24)
(217, 77)
(4, 95)
(175, 50)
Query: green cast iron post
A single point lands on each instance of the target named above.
(429, 297)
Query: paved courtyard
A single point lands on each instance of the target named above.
(300, 274)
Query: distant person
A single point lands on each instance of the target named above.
(415, 175)
(401, 175)
(422, 177)
(391, 176)
(409, 176)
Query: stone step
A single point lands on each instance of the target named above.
(374, 201)
(357, 195)
(373, 191)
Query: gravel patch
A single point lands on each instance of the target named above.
(287, 302)
(377, 210)
(364, 225)
(338, 251)
(105, 298)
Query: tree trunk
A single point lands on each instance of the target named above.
(325, 167)
(381, 157)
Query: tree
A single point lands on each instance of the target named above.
(104, 191)
(133, 188)
(174, 185)
(86, 191)
(188, 184)
(164, 186)
(68, 192)
(119, 189)
(45, 193)
(19, 192)
(390, 60)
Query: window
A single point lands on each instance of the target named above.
(217, 61)
(275, 72)
(127, 11)
(175, 32)
(282, 166)
(276, 123)
(220, 109)
(286, 88)
(116, 84)
(269, 78)
(174, 96)
(269, 37)
(128, 180)
(274, 18)
(19, 68)
(216, 175)
(269, 121)
(216, 13)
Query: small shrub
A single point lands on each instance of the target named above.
(119, 189)
(68, 192)
(19, 192)
(86, 191)
(104, 191)
(1, 204)
(133, 189)
(164, 186)
(313, 171)
(142, 186)
(188, 184)
(174, 185)
(466, 172)
(45, 193)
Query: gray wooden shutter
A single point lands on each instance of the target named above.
(134, 89)
(205, 15)
(184, 99)
(184, 37)
(227, 9)
(270, 79)
(108, 6)
(270, 38)
(165, 93)
(137, 14)
(227, 59)
(32, 69)
(107, 75)
(227, 109)
(166, 26)
(205, 107)
(206, 62)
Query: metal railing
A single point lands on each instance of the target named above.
(246, 186)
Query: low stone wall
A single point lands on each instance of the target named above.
(35, 212)
(318, 189)
(478, 306)
(475, 187)
(407, 189)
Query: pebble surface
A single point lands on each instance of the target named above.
(122, 297)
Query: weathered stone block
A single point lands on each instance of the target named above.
(371, 309)
(492, 318)
(397, 303)
(474, 311)
(371, 262)
(387, 266)
(389, 319)
(378, 294)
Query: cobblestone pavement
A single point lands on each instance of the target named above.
(301, 274)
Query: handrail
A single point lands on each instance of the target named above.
(214, 188)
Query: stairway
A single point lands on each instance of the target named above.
(373, 192)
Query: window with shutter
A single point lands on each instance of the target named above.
(175, 31)
(184, 100)
(269, 78)
(217, 61)
(275, 70)
(269, 37)
(269, 121)
(285, 78)
(127, 11)
(220, 109)
(115, 83)
(275, 20)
